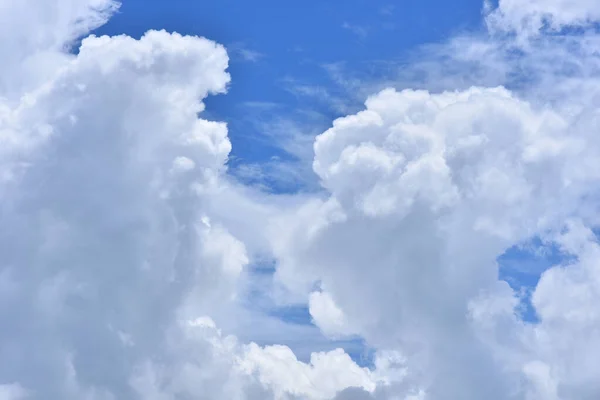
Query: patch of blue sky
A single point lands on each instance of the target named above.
(292, 324)
(356, 347)
(522, 267)
(296, 314)
(283, 59)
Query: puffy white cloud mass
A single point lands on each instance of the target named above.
(124, 240)
(427, 190)
(110, 256)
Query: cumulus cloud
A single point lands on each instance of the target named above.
(322, 378)
(110, 254)
(327, 315)
(427, 190)
(104, 241)
(120, 249)
(36, 33)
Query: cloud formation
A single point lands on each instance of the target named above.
(124, 239)
(110, 257)
(428, 189)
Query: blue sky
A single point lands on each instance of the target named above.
(279, 56)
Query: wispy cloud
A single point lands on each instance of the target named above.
(242, 52)
(387, 9)
(291, 131)
(329, 96)
(360, 31)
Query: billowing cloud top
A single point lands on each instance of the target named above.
(124, 240)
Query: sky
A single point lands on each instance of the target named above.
(311, 200)
(285, 70)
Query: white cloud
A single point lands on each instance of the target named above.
(183, 164)
(566, 299)
(211, 365)
(114, 190)
(12, 392)
(327, 315)
(105, 242)
(35, 32)
(326, 374)
(427, 190)
(242, 52)
(531, 16)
